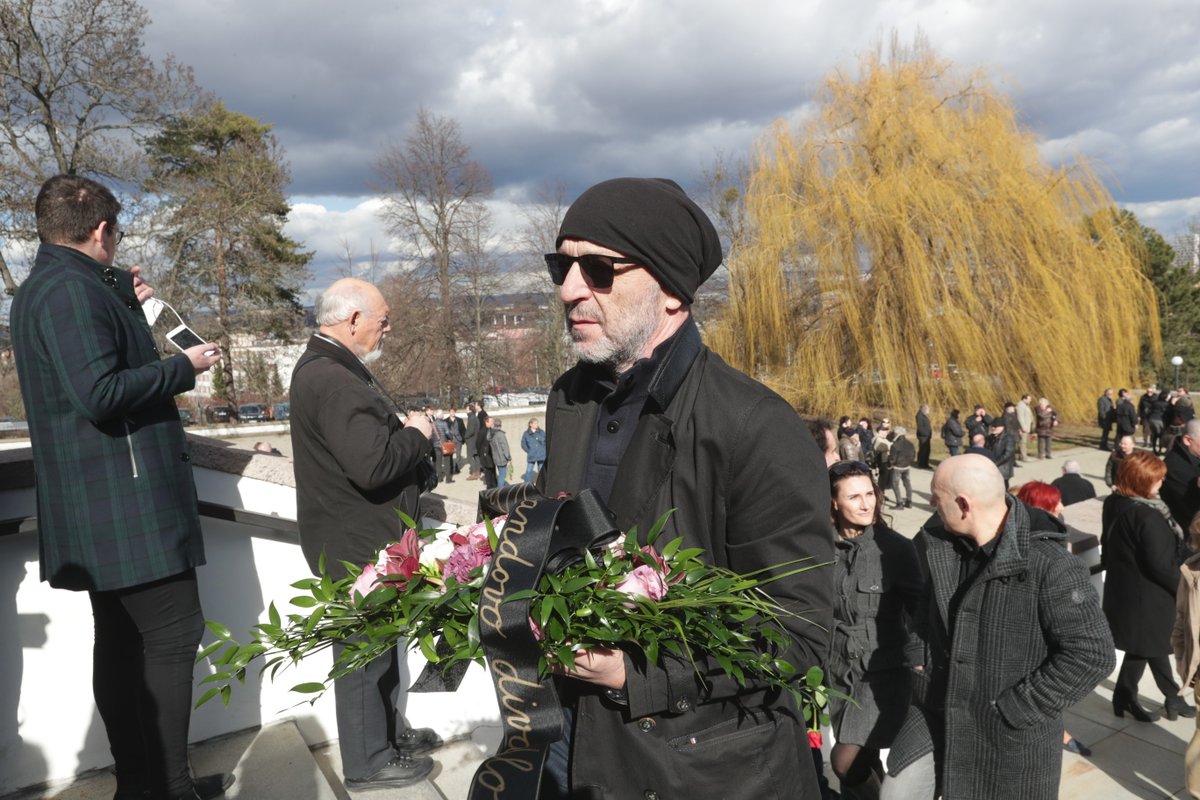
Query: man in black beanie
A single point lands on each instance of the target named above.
(653, 420)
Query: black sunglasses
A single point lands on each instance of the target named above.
(843, 468)
(598, 269)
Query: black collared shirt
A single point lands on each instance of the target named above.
(622, 402)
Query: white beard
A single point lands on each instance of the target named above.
(373, 355)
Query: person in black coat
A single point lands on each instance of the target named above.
(1141, 549)
(1073, 487)
(1126, 415)
(953, 433)
(1181, 487)
(924, 436)
(355, 464)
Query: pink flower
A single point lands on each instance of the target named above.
(814, 740)
(643, 581)
(537, 629)
(471, 550)
(400, 560)
(364, 583)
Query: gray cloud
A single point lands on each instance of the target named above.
(580, 90)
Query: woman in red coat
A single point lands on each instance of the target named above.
(1141, 548)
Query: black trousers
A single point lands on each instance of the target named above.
(1134, 666)
(367, 720)
(145, 647)
(923, 446)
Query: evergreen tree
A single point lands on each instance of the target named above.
(221, 176)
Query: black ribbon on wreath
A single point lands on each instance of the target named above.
(541, 534)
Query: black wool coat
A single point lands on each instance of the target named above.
(749, 487)
(1181, 486)
(1141, 562)
(1026, 640)
(115, 497)
(355, 462)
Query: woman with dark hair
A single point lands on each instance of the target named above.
(878, 580)
(953, 433)
(1141, 546)
(1037, 494)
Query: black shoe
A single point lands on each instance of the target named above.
(908, 503)
(1073, 745)
(417, 742)
(1123, 702)
(400, 771)
(207, 787)
(1176, 707)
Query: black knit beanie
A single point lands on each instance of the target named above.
(651, 220)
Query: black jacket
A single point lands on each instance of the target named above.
(1074, 488)
(1127, 418)
(924, 426)
(749, 487)
(1181, 486)
(1141, 561)
(355, 463)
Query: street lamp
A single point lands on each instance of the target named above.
(1177, 361)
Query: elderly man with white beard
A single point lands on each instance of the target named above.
(355, 464)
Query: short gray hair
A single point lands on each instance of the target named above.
(1070, 465)
(1192, 429)
(340, 300)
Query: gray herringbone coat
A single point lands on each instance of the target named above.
(1026, 641)
(115, 497)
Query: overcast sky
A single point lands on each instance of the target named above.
(581, 90)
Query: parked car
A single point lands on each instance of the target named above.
(186, 416)
(218, 413)
(282, 411)
(252, 412)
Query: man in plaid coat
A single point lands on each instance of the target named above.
(116, 504)
(1009, 632)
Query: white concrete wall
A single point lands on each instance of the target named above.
(49, 729)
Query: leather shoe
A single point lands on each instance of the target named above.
(400, 771)
(1176, 707)
(206, 787)
(417, 742)
(1073, 745)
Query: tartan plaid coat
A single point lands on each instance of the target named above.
(115, 497)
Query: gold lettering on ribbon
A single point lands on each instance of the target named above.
(516, 722)
(493, 592)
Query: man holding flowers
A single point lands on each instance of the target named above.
(356, 463)
(653, 420)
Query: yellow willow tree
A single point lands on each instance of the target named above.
(907, 245)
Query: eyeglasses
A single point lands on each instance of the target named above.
(598, 269)
(843, 468)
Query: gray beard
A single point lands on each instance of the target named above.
(372, 356)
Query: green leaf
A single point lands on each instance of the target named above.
(658, 526)
(273, 615)
(218, 629)
(209, 695)
(309, 688)
(304, 601)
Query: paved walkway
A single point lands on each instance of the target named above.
(1130, 759)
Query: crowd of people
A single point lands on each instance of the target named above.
(957, 650)
(1150, 608)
